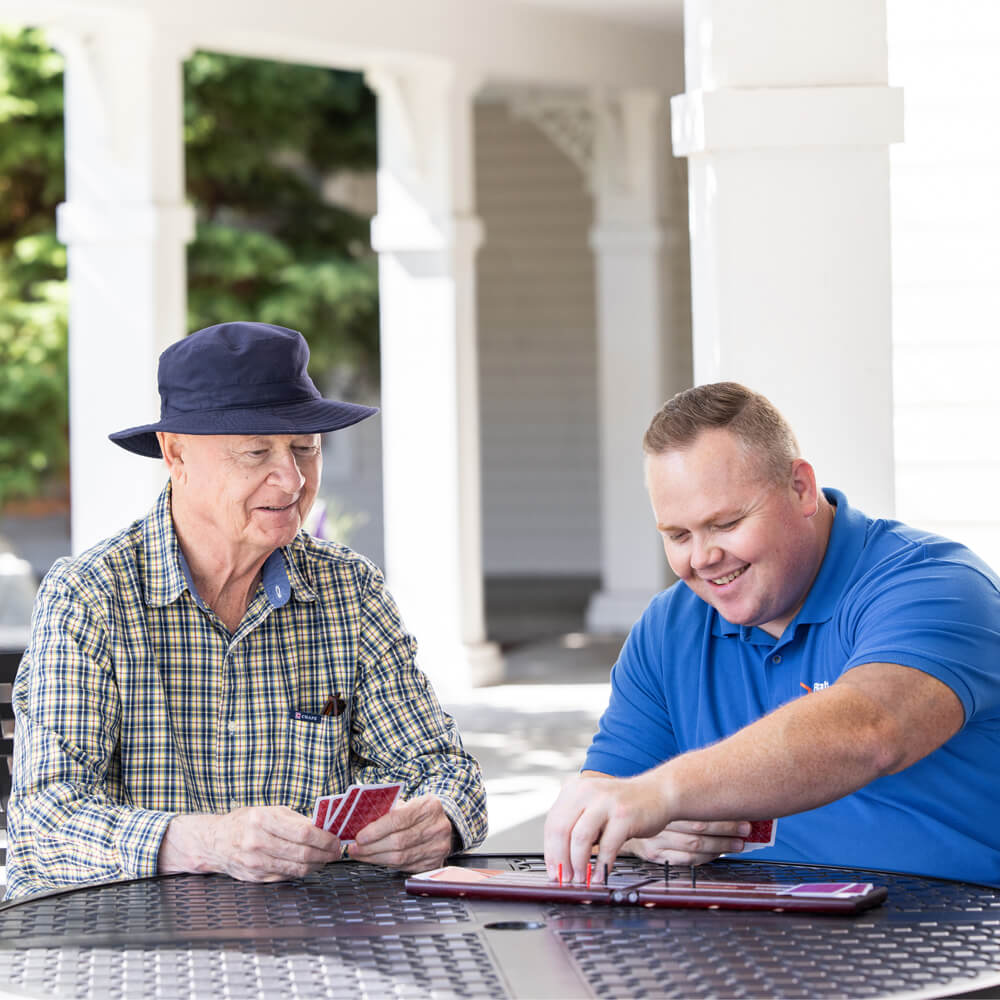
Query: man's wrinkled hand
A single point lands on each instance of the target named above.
(412, 836)
(690, 842)
(603, 811)
(256, 844)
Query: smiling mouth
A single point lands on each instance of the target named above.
(279, 509)
(721, 581)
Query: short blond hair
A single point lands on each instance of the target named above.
(749, 416)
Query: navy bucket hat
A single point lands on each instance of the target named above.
(239, 378)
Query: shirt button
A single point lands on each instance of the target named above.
(232, 726)
(233, 804)
(774, 659)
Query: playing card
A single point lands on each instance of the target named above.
(336, 818)
(762, 833)
(371, 802)
(335, 801)
(320, 810)
(323, 810)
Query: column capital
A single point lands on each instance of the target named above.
(705, 121)
(81, 222)
(630, 157)
(462, 234)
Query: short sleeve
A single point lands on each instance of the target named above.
(937, 616)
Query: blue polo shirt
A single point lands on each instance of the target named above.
(885, 593)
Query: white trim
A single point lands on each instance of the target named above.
(710, 121)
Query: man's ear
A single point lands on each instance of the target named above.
(173, 453)
(804, 485)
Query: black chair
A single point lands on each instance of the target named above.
(9, 660)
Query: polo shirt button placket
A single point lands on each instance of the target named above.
(776, 658)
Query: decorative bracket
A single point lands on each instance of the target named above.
(568, 120)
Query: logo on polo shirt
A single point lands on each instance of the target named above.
(817, 685)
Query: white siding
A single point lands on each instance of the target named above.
(946, 268)
(538, 354)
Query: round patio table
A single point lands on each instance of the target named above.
(352, 930)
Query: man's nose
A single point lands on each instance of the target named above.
(286, 473)
(704, 552)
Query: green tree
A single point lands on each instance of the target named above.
(33, 369)
(261, 137)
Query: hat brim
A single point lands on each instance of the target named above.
(314, 416)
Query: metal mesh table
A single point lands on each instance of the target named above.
(352, 931)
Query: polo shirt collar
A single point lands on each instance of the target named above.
(166, 574)
(847, 539)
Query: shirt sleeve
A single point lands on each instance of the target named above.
(399, 730)
(635, 732)
(62, 827)
(937, 616)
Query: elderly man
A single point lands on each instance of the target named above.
(195, 682)
(811, 663)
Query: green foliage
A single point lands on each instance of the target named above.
(260, 137)
(33, 294)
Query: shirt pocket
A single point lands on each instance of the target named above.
(317, 760)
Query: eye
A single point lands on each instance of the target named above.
(678, 536)
(729, 525)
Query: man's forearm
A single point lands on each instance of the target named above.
(55, 839)
(803, 755)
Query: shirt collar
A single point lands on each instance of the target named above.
(167, 574)
(847, 539)
(163, 578)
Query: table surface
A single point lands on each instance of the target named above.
(351, 930)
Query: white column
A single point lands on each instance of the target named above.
(786, 124)
(641, 359)
(125, 224)
(427, 235)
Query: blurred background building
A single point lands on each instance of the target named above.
(559, 248)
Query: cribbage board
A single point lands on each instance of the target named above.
(641, 890)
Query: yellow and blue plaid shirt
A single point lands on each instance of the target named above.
(133, 703)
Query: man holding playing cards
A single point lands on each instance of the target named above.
(812, 663)
(193, 684)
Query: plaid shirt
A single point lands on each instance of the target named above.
(134, 703)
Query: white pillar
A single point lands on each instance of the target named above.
(125, 224)
(786, 123)
(427, 235)
(641, 360)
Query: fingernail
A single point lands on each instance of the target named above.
(744, 829)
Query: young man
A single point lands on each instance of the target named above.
(811, 663)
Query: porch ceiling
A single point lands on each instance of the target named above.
(614, 43)
(654, 13)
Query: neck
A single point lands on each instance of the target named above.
(225, 577)
(821, 524)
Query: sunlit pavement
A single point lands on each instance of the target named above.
(532, 733)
